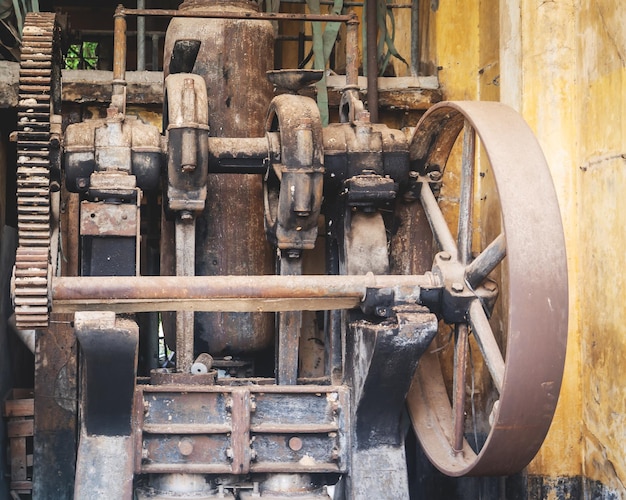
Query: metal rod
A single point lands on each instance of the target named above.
(141, 37)
(372, 59)
(460, 375)
(239, 155)
(415, 37)
(466, 203)
(155, 52)
(489, 258)
(352, 53)
(185, 267)
(289, 326)
(437, 222)
(487, 343)
(237, 15)
(119, 48)
(227, 293)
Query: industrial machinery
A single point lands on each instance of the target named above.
(428, 265)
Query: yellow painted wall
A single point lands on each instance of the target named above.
(602, 238)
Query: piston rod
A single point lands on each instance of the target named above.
(228, 293)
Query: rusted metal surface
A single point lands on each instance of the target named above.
(97, 219)
(224, 14)
(380, 361)
(229, 232)
(294, 200)
(536, 296)
(372, 58)
(109, 348)
(56, 411)
(228, 429)
(185, 265)
(228, 293)
(39, 90)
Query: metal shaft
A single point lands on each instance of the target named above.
(226, 293)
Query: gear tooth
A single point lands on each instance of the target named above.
(31, 270)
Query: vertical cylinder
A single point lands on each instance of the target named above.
(141, 38)
(230, 239)
(119, 47)
(352, 52)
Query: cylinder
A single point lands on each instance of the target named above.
(233, 58)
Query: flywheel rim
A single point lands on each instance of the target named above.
(537, 302)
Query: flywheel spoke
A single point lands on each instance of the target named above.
(487, 343)
(460, 371)
(437, 222)
(487, 261)
(464, 237)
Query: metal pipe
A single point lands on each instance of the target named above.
(372, 60)
(155, 51)
(119, 46)
(415, 38)
(352, 53)
(269, 16)
(227, 293)
(141, 37)
(239, 155)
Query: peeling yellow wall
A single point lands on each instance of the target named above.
(541, 81)
(602, 238)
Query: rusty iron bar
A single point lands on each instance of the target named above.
(119, 47)
(240, 155)
(352, 53)
(227, 293)
(460, 375)
(372, 59)
(237, 15)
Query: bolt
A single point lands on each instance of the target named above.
(185, 446)
(295, 443)
(435, 175)
(444, 256)
(229, 453)
(381, 311)
(334, 454)
(457, 287)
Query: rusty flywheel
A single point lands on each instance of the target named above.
(39, 87)
(483, 397)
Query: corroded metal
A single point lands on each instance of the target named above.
(229, 293)
(527, 374)
(229, 231)
(236, 430)
(37, 95)
(237, 15)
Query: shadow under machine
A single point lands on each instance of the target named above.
(313, 285)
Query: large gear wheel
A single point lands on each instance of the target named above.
(37, 158)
